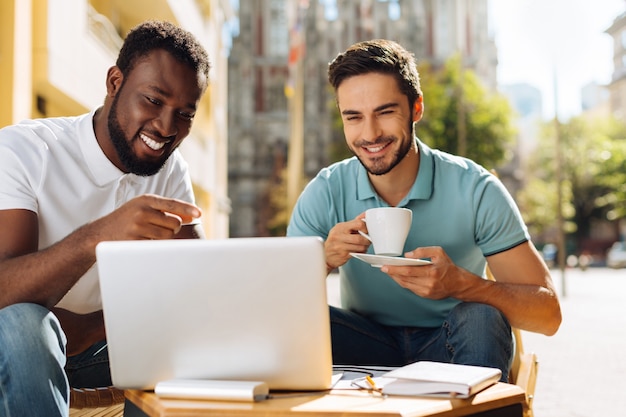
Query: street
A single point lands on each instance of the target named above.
(582, 369)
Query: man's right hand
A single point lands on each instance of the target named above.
(344, 238)
(145, 217)
(44, 276)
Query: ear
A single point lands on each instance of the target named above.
(418, 109)
(114, 80)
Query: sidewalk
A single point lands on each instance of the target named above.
(582, 369)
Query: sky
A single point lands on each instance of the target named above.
(556, 46)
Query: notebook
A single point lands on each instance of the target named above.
(251, 309)
(436, 379)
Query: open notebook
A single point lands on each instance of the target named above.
(231, 309)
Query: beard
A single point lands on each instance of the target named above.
(377, 166)
(131, 162)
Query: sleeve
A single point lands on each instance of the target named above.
(499, 224)
(21, 169)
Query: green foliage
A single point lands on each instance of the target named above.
(488, 115)
(593, 172)
(538, 204)
(612, 176)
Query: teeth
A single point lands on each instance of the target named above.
(152, 144)
(376, 149)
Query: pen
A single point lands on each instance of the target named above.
(372, 384)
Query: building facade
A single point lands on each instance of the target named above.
(54, 56)
(259, 118)
(617, 86)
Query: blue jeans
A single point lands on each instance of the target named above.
(33, 379)
(472, 334)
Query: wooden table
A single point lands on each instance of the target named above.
(500, 400)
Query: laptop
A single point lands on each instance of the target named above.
(251, 309)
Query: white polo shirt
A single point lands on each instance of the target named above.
(55, 168)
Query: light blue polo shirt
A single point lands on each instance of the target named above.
(456, 204)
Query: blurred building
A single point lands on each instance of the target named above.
(595, 100)
(259, 123)
(617, 86)
(54, 57)
(527, 103)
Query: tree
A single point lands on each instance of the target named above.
(612, 177)
(488, 115)
(593, 171)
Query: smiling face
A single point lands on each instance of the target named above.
(377, 121)
(151, 111)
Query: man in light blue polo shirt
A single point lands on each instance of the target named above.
(463, 219)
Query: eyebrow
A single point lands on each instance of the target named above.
(377, 109)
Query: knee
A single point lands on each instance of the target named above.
(481, 335)
(32, 358)
(30, 329)
(480, 323)
(479, 316)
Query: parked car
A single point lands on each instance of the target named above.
(616, 256)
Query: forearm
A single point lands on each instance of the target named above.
(528, 307)
(44, 277)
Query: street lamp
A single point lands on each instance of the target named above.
(561, 255)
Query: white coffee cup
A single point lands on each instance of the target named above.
(388, 228)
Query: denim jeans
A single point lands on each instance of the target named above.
(472, 334)
(33, 378)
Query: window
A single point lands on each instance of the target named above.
(278, 44)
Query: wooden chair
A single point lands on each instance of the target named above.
(524, 368)
(524, 372)
(96, 402)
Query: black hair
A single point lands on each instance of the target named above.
(380, 56)
(151, 35)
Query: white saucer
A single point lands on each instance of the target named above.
(379, 260)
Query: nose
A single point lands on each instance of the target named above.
(371, 129)
(165, 123)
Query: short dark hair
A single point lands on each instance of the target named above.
(380, 56)
(151, 35)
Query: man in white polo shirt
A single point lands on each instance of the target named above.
(67, 184)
